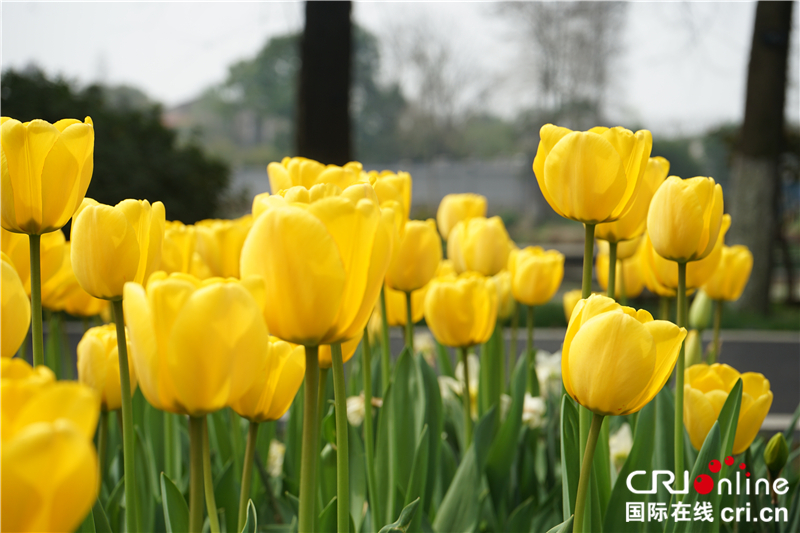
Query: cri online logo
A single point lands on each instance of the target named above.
(704, 484)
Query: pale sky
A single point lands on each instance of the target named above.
(682, 69)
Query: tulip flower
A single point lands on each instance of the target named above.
(177, 251)
(98, 365)
(416, 258)
(506, 304)
(51, 250)
(114, 245)
(16, 310)
(457, 207)
(461, 312)
(397, 310)
(614, 360)
(480, 245)
(651, 280)
(299, 171)
(706, 389)
(390, 186)
(628, 271)
(536, 274)
(569, 300)
(348, 349)
(730, 277)
(62, 292)
(219, 244)
(48, 459)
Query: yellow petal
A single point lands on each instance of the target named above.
(16, 311)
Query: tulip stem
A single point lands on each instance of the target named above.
(128, 438)
(322, 396)
(195, 474)
(465, 398)
(310, 450)
(386, 355)
(714, 356)
(682, 311)
(586, 470)
(409, 324)
(529, 351)
(102, 445)
(514, 331)
(369, 444)
(172, 448)
(588, 256)
(247, 472)
(623, 295)
(612, 270)
(208, 481)
(36, 300)
(663, 308)
(342, 452)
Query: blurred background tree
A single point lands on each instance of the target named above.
(135, 155)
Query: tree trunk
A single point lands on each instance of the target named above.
(755, 184)
(323, 113)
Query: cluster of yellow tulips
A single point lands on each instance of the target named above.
(240, 313)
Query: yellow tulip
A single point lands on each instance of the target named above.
(591, 176)
(396, 311)
(51, 249)
(705, 390)
(730, 277)
(685, 218)
(219, 244)
(615, 359)
(15, 314)
(323, 254)
(177, 251)
(625, 249)
(457, 207)
(98, 365)
(479, 245)
(697, 272)
(647, 265)
(46, 171)
(196, 346)
(273, 390)
(114, 245)
(569, 300)
(445, 269)
(536, 274)
(348, 349)
(62, 292)
(390, 186)
(299, 171)
(633, 224)
(461, 311)
(634, 282)
(506, 304)
(416, 257)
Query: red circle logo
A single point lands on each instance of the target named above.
(715, 466)
(703, 484)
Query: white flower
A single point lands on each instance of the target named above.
(449, 386)
(548, 370)
(619, 445)
(355, 410)
(275, 458)
(423, 343)
(505, 405)
(533, 410)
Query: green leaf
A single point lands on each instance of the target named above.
(358, 477)
(146, 486)
(434, 418)
(501, 453)
(219, 439)
(569, 453)
(226, 496)
(564, 527)
(639, 458)
(404, 521)
(664, 450)
(383, 471)
(329, 428)
(408, 415)
(294, 439)
(251, 523)
(419, 475)
(327, 473)
(443, 360)
(176, 512)
(728, 420)
(601, 467)
(326, 523)
(521, 517)
(101, 524)
(791, 428)
(114, 503)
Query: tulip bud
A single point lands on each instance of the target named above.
(536, 274)
(694, 348)
(390, 186)
(396, 311)
(776, 454)
(98, 365)
(476, 299)
(416, 256)
(457, 207)
(700, 311)
(730, 277)
(479, 245)
(16, 310)
(569, 300)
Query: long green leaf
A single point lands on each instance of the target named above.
(251, 524)
(176, 512)
(226, 496)
(101, 524)
(358, 477)
(564, 527)
(419, 475)
(294, 438)
(521, 518)
(408, 415)
(569, 454)
(728, 420)
(383, 470)
(664, 450)
(326, 523)
(401, 525)
(146, 486)
(434, 418)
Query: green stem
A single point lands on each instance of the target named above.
(172, 447)
(102, 444)
(586, 470)
(467, 401)
(208, 481)
(386, 354)
(236, 440)
(588, 256)
(369, 443)
(310, 449)
(128, 439)
(514, 331)
(623, 293)
(612, 270)
(247, 472)
(322, 395)
(409, 324)
(663, 308)
(717, 323)
(530, 350)
(195, 474)
(36, 300)
(342, 452)
(682, 312)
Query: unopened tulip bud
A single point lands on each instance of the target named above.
(694, 348)
(776, 454)
(700, 311)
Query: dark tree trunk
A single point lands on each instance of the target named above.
(755, 182)
(323, 110)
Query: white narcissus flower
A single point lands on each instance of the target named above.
(277, 450)
(619, 445)
(423, 344)
(533, 410)
(355, 410)
(548, 370)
